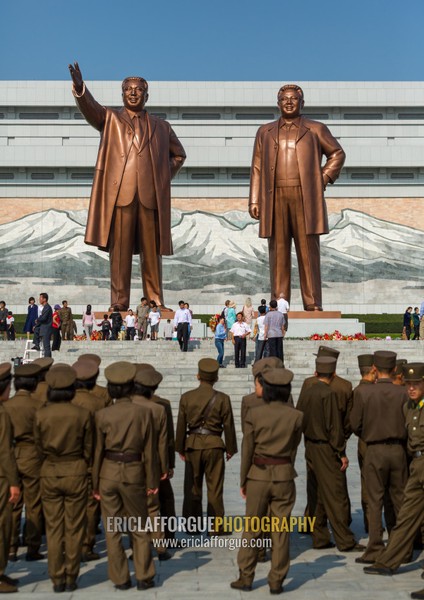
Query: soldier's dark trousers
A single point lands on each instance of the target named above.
(208, 464)
(64, 507)
(5, 523)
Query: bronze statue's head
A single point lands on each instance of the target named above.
(134, 93)
(290, 100)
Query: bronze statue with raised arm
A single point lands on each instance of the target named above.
(287, 193)
(130, 205)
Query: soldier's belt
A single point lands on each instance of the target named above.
(203, 431)
(64, 457)
(388, 442)
(125, 457)
(269, 460)
(316, 441)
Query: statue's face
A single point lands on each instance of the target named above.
(290, 103)
(134, 96)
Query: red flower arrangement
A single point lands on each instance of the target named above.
(336, 335)
(213, 321)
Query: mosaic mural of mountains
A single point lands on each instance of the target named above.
(216, 252)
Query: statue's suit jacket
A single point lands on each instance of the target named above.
(117, 134)
(314, 140)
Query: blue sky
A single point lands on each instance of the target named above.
(221, 40)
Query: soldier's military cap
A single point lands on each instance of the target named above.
(120, 372)
(325, 364)
(93, 357)
(149, 367)
(5, 369)
(61, 377)
(365, 360)
(28, 370)
(277, 376)
(85, 369)
(327, 351)
(45, 362)
(399, 365)
(413, 372)
(271, 362)
(208, 369)
(148, 377)
(385, 359)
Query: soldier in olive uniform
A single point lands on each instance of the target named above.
(410, 516)
(66, 322)
(368, 375)
(21, 409)
(92, 386)
(377, 417)
(344, 393)
(63, 435)
(326, 459)
(9, 481)
(141, 395)
(45, 363)
(124, 466)
(251, 400)
(86, 372)
(166, 493)
(203, 415)
(272, 433)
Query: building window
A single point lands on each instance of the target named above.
(38, 115)
(203, 175)
(42, 175)
(362, 176)
(323, 116)
(255, 116)
(240, 176)
(201, 116)
(83, 176)
(411, 116)
(404, 175)
(363, 116)
(78, 116)
(4, 176)
(1, 115)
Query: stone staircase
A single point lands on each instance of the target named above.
(179, 369)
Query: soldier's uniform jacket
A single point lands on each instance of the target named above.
(101, 391)
(63, 435)
(220, 420)
(343, 389)
(377, 412)
(88, 400)
(321, 415)
(252, 400)
(170, 428)
(128, 428)
(40, 392)
(65, 315)
(414, 419)
(22, 409)
(272, 430)
(8, 468)
(159, 429)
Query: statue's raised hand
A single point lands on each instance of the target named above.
(76, 77)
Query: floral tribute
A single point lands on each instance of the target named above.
(213, 321)
(336, 335)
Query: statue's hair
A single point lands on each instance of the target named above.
(290, 86)
(144, 83)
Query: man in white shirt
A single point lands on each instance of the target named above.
(130, 325)
(283, 307)
(240, 331)
(182, 321)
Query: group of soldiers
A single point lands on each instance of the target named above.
(69, 447)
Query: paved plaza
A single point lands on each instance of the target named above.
(207, 573)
